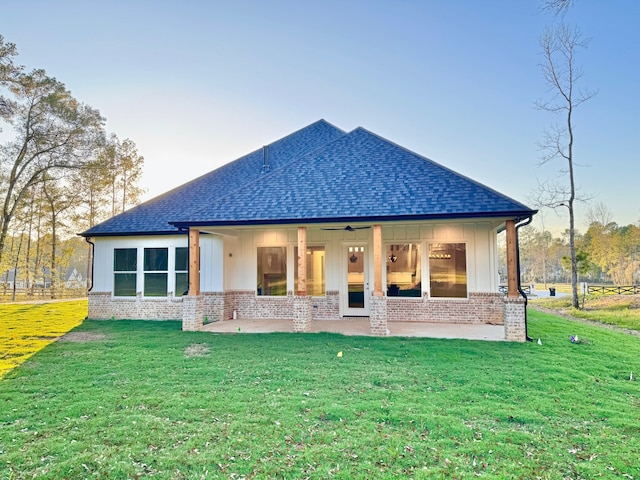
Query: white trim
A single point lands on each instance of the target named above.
(345, 311)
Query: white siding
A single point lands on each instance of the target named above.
(229, 262)
(211, 251)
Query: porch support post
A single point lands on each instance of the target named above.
(512, 261)
(377, 261)
(192, 304)
(194, 262)
(302, 261)
(301, 301)
(378, 307)
(514, 305)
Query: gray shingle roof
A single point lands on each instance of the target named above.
(152, 217)
(318, 174)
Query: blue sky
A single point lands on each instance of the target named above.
(197, 84)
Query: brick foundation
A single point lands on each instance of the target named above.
(214, 304)
(327, 307)
(103, 307)
(478, 308)
(248, 305)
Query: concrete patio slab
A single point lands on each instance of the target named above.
(360, 326)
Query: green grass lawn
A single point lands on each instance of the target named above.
(620, 310)
(143, 399)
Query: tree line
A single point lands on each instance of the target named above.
(61, 172)
(607, 253)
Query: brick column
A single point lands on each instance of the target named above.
(192, 313)
(301, 313)
(378, 315)
(514, 319)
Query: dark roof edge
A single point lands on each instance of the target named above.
(164, 233)
(516, 214)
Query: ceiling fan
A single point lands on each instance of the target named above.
(348, 228)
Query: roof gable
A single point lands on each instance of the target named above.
(317, 174)
(359, 176)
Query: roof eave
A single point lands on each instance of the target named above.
(88, 234)
(515, 214)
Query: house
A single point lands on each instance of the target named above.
(8, 279)
(73, 278)
(321, 224)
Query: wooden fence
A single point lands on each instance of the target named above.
(39, 293)
(614, 289)
(504, 289)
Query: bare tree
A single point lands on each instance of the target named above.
(561, 74)
(558, 7)
(599, 213)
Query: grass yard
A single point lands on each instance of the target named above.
(620, 310)
(26, 328)
(133, 399)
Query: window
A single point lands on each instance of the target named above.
(448, 270)
(181, 271)
(404, 276)
(125, 265)
(156, 266)
(272, 271)
(315, 271)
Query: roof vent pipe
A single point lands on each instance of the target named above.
(265, 159)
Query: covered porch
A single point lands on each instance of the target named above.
(477, 307)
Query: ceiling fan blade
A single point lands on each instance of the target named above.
(348, 228)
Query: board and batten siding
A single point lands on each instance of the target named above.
(237, 253)
(240, 259)
(211, 259)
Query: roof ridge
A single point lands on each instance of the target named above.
(317, 122)
(271, 172)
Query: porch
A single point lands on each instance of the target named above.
(361, 326)
(352, 264)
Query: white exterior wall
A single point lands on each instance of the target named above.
(228, 274)
(240, 257)
(211, 257)
(237, 253)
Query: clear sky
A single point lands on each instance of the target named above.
(196, 84)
